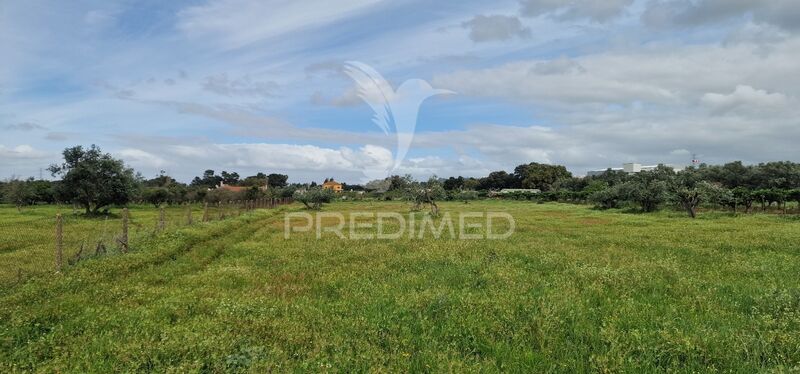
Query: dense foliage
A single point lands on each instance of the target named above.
(314, 197)
(93, 179)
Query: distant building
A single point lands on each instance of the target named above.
(632, 168)
(332, 185)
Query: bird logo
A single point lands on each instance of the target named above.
(395, 112)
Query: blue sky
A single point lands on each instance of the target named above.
(249, 86)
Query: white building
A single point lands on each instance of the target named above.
(633, 168)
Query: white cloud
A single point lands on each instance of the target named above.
(781, 13)
(245, 86)
(140, 158)
(21, 152)
(495, 28)
(595, 10)
(236, 23)
(746, 98)
(285, 157)
(659, 74)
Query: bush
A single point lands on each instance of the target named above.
(608, 198)
(217, 196)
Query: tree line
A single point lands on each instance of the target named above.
(95, 180)
(734, 186)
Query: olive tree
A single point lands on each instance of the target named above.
(421, 193)
(94, 179)
(314, 197)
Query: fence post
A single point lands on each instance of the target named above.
(124, 239)
(205, 211)
(219, 209)
(59, 243)
(189, 215)
(161, 218)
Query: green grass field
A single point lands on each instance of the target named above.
(574, 289)
(27, 239)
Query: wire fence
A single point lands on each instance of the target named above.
(49, 239)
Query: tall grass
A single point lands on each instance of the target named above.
(573, 290)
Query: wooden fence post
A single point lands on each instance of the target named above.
(219, 210)
(161, 222)
(189, 215)
(124, 239)
(205, 211)
(59, 243)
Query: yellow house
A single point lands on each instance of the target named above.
(332, 185)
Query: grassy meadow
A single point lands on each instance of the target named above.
(574, 289)
(27, 238)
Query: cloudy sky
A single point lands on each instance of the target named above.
(260, 85)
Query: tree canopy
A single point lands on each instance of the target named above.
(94, 179)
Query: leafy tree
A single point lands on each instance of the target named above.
(17, 192)
(421, 193)
(277, 180)
(609, 177)
(398, 183)
(794, 195)
(471, 184)
(258, 180)
(648, 189)
(253, 193)
(452, 183)
(742, 196)
(571, 184)
(313, 198)
(208, 180)
(161, 180)
(157, 195)
(497, 180)
(688, 190)
(540, 176)
(606, 198)
(94, 179)
(287, 191)
(230, 178)
(41, 191)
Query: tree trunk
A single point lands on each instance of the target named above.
(692, 212)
